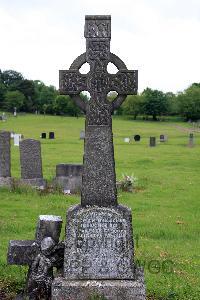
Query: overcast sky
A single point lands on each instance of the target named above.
(160, 38)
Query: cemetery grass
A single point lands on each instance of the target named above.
(165, 204)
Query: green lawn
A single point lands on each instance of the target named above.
(165, 205)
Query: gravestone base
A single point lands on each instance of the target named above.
(34, 182)
(6, 181)
(72, 183)
(109, 289)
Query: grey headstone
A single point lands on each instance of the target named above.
(5, 159)
(99, 243)
(163, 138)
(69, 177)
(31, 162)
(152, 141)
(82, 135)
(191, 140)
(5, 154)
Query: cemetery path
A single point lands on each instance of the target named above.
(184, 129)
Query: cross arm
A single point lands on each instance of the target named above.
(71, 82)
(22, 252)
(124, 82)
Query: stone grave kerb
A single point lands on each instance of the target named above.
(99, 179)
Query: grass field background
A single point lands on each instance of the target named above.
(165, 205)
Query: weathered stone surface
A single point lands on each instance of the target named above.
(69, 170)
(41, 255)
(6, 181)
(99, 154)
(99, 250)
(5, 154)
(31, 163)
(22, 252)
(69, 177)
(30, 158)
(35, 182)
(109, 289)
(152, 141)
(99, 179)
(48, 225)
(99, 243)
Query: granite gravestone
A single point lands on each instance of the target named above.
(69, 177)
(51, 135)
(137, 138)
(41, 255)
(99, 243)
(43, 135)
(191, 140)
(163, 138)
(31, 163)
(152, 141)
(5, 159)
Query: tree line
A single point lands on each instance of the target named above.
(33, 95)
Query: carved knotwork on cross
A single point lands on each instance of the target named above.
(98, 82)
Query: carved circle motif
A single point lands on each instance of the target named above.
(77, 64)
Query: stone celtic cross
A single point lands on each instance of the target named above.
(99, 179)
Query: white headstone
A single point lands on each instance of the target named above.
(17, 139)
(127, 140)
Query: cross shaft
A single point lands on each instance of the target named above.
(99, 179)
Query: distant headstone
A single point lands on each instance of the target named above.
(82, 135)
(4, 117)
(15, 111)
(69, 177)
(163, 138)
(31, 163)
(17, 138)
(43, 135)
(127, 140)
(1, 118)
(5, 159)
(41, 255)
(191, 140)
(152, 141)
(137, 138)
(51, 135)
(99, 253)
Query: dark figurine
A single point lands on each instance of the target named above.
(40, 275)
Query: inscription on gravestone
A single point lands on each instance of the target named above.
(101, 245)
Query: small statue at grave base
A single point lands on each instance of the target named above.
(41, 271)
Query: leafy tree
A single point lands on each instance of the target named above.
(28, 89)
(61, 104)
(11, 79)
(133, 105)
(155, 103)
(189, 102)
(14, 99)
